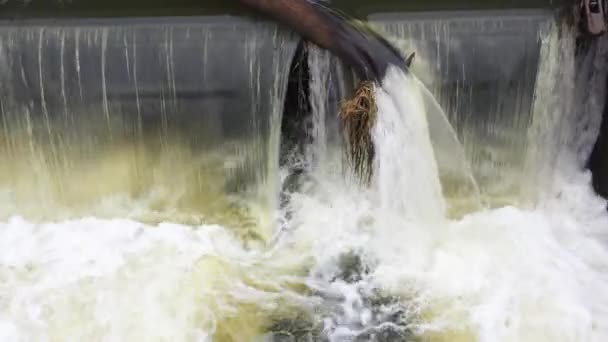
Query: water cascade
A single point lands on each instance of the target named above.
(142, 120)
(388, 262)
(481, 66)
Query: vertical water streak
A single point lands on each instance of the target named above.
(62, 76)
(405, 173)
(77, 61)
(136, 88)
(277, 94)
(330, 83)
(320, 81)
(5, 130)
(47, 164)
(104, 89)
(553, 100)
(569, 102)
(41, 84)
(127, 58)
(172, 67)
(4, 67)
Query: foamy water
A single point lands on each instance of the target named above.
(506, 274)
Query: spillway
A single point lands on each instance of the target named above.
(167, 119)
(184, 180)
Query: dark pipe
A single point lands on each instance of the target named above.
(366, 52)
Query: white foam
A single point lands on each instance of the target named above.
(109, 279)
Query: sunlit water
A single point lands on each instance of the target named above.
(384, 263)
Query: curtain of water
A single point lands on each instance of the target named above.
(568, 107)
(553, 103)
(406, 174)
(172, 120)
(481, 67)
(319, 61)
(330, 82)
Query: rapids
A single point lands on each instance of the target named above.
(384, 263)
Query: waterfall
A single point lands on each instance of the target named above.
(525, 122)
(185, 116)
(329, 85)
(481, 67)
(568, 107)
(167, 119)
(405, 171)
(510, 86)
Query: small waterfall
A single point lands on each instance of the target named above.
(405, 171)
(172, 119)
(330, 84)
(518, 117)
(179, 122)
(568, 107)
(481, 67)
(476, 278)
(394, 188)
(320, 80)
(554, 97)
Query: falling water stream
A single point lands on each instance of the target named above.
(517, 252)
(141, 120)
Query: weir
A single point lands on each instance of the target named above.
(495, 76)
(152, 84)
(176, 117)
(176, 171)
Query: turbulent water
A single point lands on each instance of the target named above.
(384, 263)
